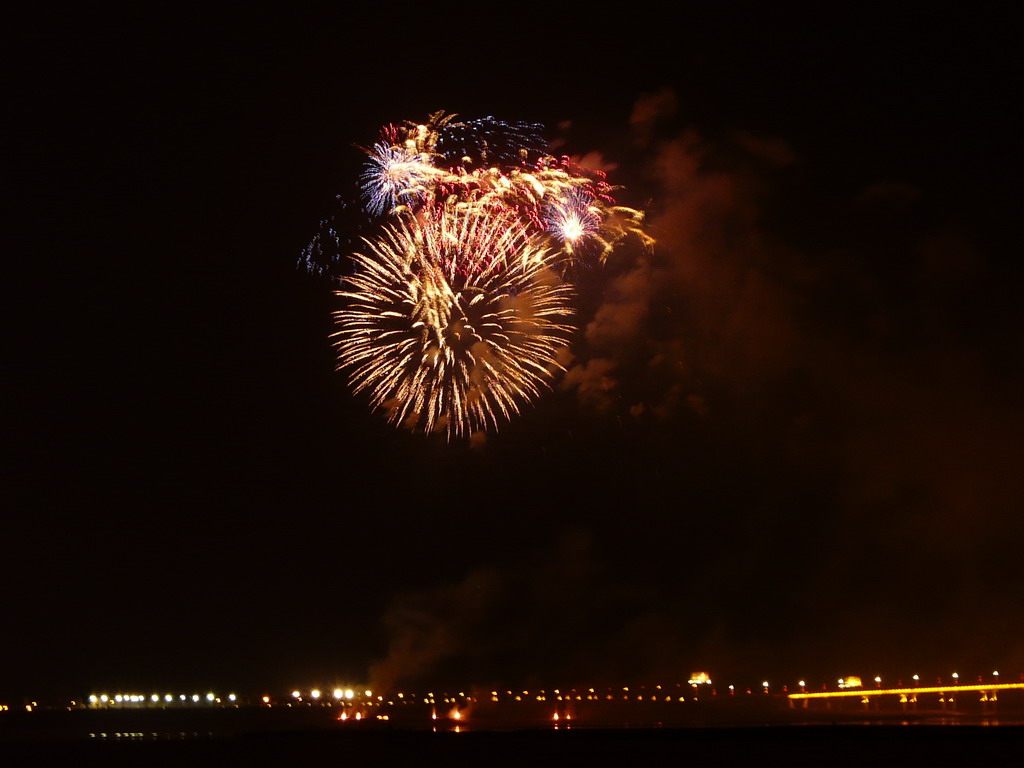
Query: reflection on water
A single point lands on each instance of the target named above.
(151, 736)
(945, 721)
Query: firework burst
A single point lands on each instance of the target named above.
(488, 141)
(397, 176)
(457, 313)
(453, 321)
(573, 219)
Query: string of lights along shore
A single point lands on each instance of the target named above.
(459, 310)
(355, 703)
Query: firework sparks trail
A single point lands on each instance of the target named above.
(492, 165)
(457, 312)
(488, 141)
(453, 321)
(397, 176)
(573, 219)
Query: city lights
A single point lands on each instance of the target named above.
(475, 709)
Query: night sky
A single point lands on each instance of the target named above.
(789, 443)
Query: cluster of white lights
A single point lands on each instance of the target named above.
(337, 694)
(155, 698)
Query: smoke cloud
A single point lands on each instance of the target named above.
(829, 350)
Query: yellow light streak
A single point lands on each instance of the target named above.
(895, 691)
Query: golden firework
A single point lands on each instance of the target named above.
(453, 320)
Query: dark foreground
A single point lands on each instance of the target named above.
(825, 745)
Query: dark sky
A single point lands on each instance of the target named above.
(788, 444)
